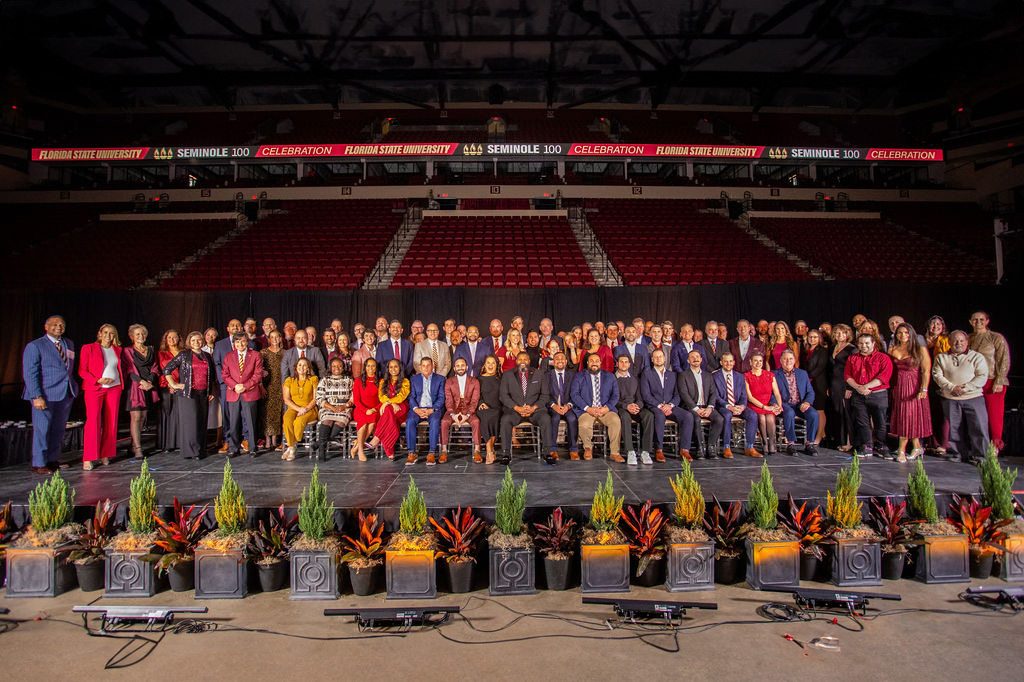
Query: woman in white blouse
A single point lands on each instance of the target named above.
(102, 383)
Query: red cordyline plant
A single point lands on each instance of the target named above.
(459, 534)
(976, 523)
(808, 526)
(178, 537)
(723, 524)
(555, 536)
(646, 528)
(891, 522)
(369, 548)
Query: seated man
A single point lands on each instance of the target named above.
(631, 409)
(731, 402)
(524, 393)
(595, 396)
(426, 401)
(461, 396)
(867, 374)
(698, 395)
(661, 397)
(797, 396)
(961, 375)
(560, 380)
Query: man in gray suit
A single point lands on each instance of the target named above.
(434, 348)
(302, 349)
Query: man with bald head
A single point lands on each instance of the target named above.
(48, 369)
(263, 340)
(222, 349)
(547, 331)
(495, 340)
(961, 375)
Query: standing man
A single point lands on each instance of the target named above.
(595, 397)
(302, 349)
(714, 348)
(523, 395)
(426, 401)
(242, 373)
(797, 397)
(289, 330)
(631, 409)
(381, 327)
(639, 360)
(731, 388)
(449, 329)
(611, 336)
(221, 349)
(250, 332)
(560, 380)
(678, 354)
(698, 395)
(867, 374)
(800, 333)
(472, 351)
(547, 331)
(330, 349)
(496, 340)
(661, 397)
(461, 396)
(961, 375)
(263, 341)
(745, 346)
(397, 348)
(994, 349)
(434, 348)
(47, 366)
(357, 335)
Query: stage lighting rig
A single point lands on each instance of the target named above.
(1004, 595)
(134, 618)
(642, 609)
(812, 599)
(404, 618)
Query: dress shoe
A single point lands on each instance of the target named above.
(615, 457)
(477, 459)
(811, 449)
(430, 459)
(411, 459)
(574, 455)
(42, 471)
(791, 450)
(751, 452)
(727, 453)
(685, 454)
(711, 453)
(443, 458)
(588, 453)
(245, 445)
(659, 455)
(553, 455)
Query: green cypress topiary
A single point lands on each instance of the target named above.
(412, 516)
(316, 514)
(50, 504)
(142, 502)
(921, 495)
(843, 509)
(763, 501)
(510, 505)
(229, 506)
(996, 485)
(606, 508)
(689, 510)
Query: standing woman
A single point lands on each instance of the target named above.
(911, 417)
(781, 340)
(842, 348)
(489, 407)
(334, 405)
(815, 363)
(393, 390)
(214, 416)
(273, 398)
(870, 327)
(167, 433)
(936, 338)
(102, 382)
(506, 355)
(764, 399)
(344, 353)
(366, 404)
(299, 393)
(994, 348)
(594, 347)
(572, 350)
(196, 385)
(366, 350)
(139, 367)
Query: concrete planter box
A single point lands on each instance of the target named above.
(1011, 561)
(314, 574)
(773, 565)
(943, 559)
(691, 566)
(221, 574)
(856, 562)
(604, 568)
(410, 574)
(513, 571)
(38, 572)
(126, 575)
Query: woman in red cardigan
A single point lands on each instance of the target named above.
(102, 382)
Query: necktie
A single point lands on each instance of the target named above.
(522, 380)
(712, 346)
(730, 397)
(302, 352)
(560, 388)
(63, 355)
(597, 390)
(398, 354)
(241, 362)
(433, 352)
(496, 344)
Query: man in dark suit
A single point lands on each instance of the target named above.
(547, 333)
(221, 349)
(714, 348)
(639, 360)
(426, 401)
(595, 396)
(395, 347)
(496, 340)
(797, 398)
(682, 348)
(731, 401)
(560, 380)
(47, 366)
(745, 346)
(697, 394)
(302, 349)
(631, 409)
(524, 394)
(661, 396)
(472, 350)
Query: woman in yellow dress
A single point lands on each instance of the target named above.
(299, 394)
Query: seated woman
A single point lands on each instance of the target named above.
(764, 399)
(366, 406)
(334, 405)
(299, 393)
(392, 391)
(489, 407)
(506, 355)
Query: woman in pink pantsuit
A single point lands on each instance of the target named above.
(102, 383)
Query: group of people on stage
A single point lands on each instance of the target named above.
(262, 390)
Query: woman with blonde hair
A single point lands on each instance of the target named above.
(781, 340)
(143, 377)
(513, 346)
(102, 383)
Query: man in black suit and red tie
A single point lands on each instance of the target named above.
(524, 394)
(714, 348)
(496, 340)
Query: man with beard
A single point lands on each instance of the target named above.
(631, 409)
(560, 388)
(524, 393)
(472, 351)
(595, 397)
(461, 396)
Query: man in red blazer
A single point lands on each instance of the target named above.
(461, 396)
(242, 372)
(745, 346)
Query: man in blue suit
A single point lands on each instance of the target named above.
(47, 366)
(560, 379)
(731, 401)
(636, 351)
(426, 401)
(387, 349)
(595, 397)
(472, 350)
(797, 397)
(661, 397)
(221, 349)
(682, 348)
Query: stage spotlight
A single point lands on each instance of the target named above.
(400, 617)
(830, 599)
(643, 609)
(122, 618)
(1004, 595)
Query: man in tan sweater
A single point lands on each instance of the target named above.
(996, 352)
(961, 375)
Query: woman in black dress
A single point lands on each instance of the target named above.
(489, 408)
(144, 376)
(815, 363)
(198, 385)
(842, 349)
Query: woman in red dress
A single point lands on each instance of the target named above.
(393, 390)
(781, 340)
(594, 346)
(764, 399)
(506, 355)
(911, 416)
(366, 406)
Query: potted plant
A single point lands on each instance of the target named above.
(690, 551)
(981, 530)
(269, 547)
(726, 527)
(9, 531)
(892, 525)
(808, 525)
(773, 554)
(997, 492)
(645, 546)
(857, 556)
(87, 551)
(409, 568)
(458, 539)
(511, 554)
(942, 550)
(604, 552)
(222, 571)
(555, 540)
(365, 555)
(37, 563)
(126, 573)
(178, 539)
(314, 554)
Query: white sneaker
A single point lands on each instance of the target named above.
(645, 458)
(631, 458)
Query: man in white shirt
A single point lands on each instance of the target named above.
(547, 331)
(434, 348)
(461, 397)
(472, 350)
(697, 394)
(639, 360)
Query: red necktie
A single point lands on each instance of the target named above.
(522, 380)
(398, 354)
(63, 355)
(496, 346)
(730, 396)
(302, 352)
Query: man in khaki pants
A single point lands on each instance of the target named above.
(595, 395)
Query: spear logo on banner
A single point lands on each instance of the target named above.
(163, 153)
(778, 153)
(473, 150)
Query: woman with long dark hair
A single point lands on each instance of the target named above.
(489, 408)
(392, 391)
(911, 418)
(366, 408)
(842, 348)
(167, 431)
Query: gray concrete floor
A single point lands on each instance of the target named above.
(974, 644)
